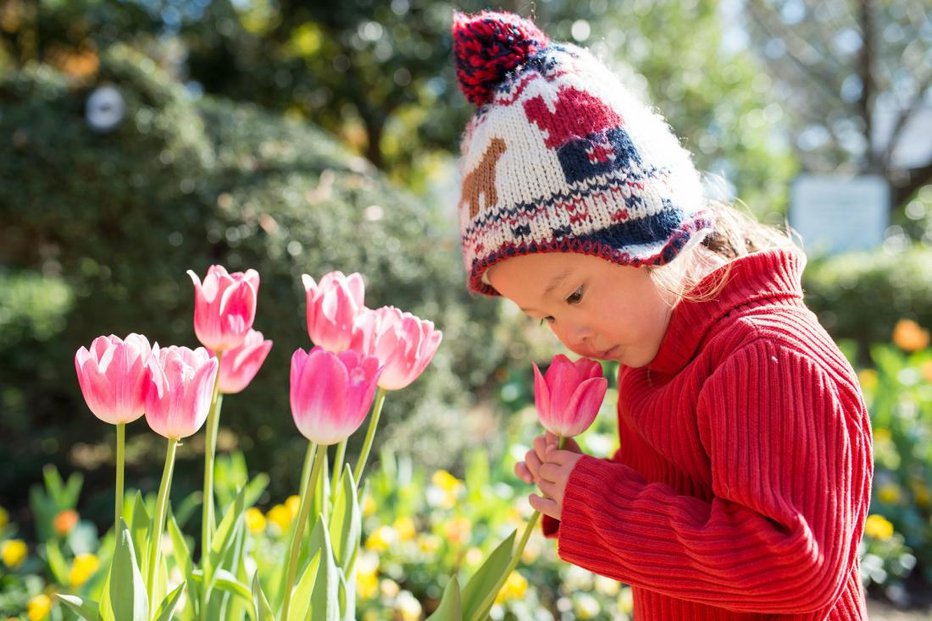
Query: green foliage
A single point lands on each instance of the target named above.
(861, 296)
(898, 393)
(118, 218)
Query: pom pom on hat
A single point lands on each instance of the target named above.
(487, 47)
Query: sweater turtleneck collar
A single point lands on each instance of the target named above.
(766, 277)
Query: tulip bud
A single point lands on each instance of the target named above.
(332, 306)
(568, 396)
(112, 374)
(179, 390)
(224, 306)
(331, 393)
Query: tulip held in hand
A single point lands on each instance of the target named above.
(568, 395)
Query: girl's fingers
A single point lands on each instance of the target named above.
(523, 473)
(545, 506)
(550, 472)
(550, 490)
(532, 463)
(541, 444)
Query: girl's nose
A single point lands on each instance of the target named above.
(574, 335)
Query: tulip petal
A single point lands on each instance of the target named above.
(541, 397)
(583, 406)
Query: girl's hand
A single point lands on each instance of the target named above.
(550, 468)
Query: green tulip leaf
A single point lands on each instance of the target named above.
(56, 561)
(301, 598)
(262, 610)
(486, 579)
(450, 607)
(225, 581)
(139, 528)
(127, 597)
(224, 536)
(345, 522)
(85, 608)
(164, 613)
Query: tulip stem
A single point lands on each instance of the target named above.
(318, 454)
(483, 611)
(370, 434)
(337, 467)
(120, 460)
(210, 448)
(161, 509)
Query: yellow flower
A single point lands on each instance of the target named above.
(367, 578)
(293, 503)
(457, 530)
(910, 336)
(878, 527)
(39, 607)
(889, 493)
(368, 506)
(13, 552)
(4, 518)
(83, 567)
(449, 487)
(428, 543)
(381, 539)
(280, 516)
(408, 606)
(255, 521)
(405, 528)
(514, 588)
(868, 379)
(587, 607)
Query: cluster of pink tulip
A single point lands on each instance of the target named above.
(359, 354)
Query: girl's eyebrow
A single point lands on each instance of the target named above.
(555, 282)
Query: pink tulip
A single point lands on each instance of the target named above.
(331, 393)
(569, 395)
(239, 365)
(332, 305)
(403, 343)
(179, 390)
(112, 375)
(224, 306)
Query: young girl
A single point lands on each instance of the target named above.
(742, 480)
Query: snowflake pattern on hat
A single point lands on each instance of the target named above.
(560, 157)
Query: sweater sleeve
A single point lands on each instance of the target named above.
(788, 479)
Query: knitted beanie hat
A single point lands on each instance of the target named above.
(560, 157)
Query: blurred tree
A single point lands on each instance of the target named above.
(855, 80)
(378, 73)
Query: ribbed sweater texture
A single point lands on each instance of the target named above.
(742, 480)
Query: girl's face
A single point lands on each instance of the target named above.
(596, 308)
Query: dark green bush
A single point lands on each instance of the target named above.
(115, 219)
(861, 296)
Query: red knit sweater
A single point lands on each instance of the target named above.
(742, 480)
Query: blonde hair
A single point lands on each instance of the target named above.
(735, 234)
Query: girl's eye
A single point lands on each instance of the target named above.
(575, 297)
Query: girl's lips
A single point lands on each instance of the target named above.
(608, 354)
